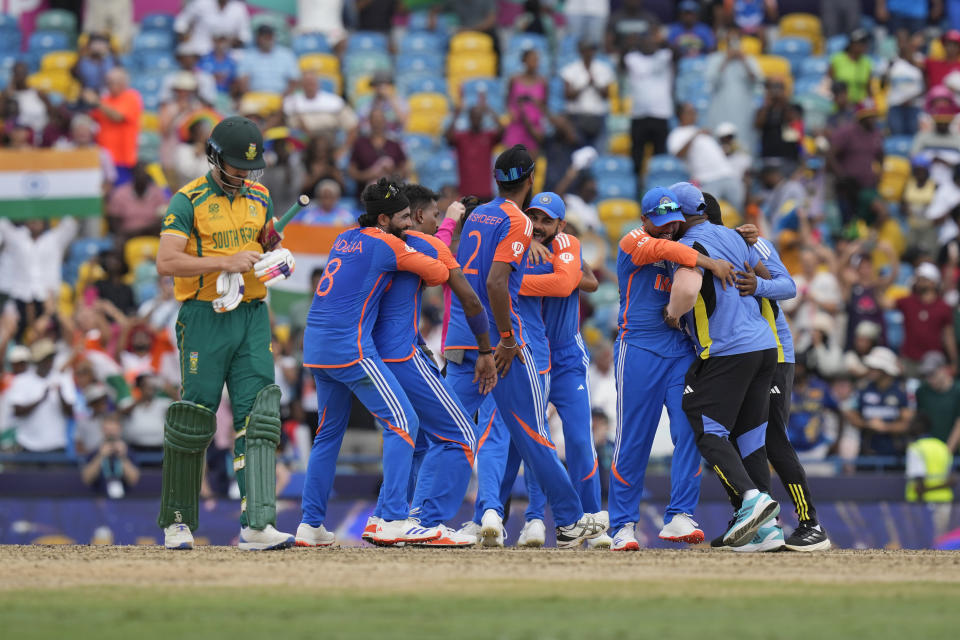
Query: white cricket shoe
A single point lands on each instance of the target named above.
(682, 528)
(625, 539)
(178, 536)
(533, 534)
(769, 537)
(391, 533)
(603, 517)
(370, 528)
(602, 541)
(308, 536)
(450, 539)
(491, 529)
(573, 535)
(471, 529)
(265, 539)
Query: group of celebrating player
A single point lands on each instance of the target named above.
(511, 346)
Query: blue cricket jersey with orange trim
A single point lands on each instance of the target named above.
(346, 303)
(645, 281)
(561, 314)
(497, 231)
(398, 325)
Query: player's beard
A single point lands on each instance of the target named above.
(527, 199)
(396, 231)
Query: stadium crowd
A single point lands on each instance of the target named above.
(837, 135)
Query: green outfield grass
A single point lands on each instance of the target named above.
(684, 608)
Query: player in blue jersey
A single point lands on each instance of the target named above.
(726, 393)
(445, 428)
(773, 286)
(651, 360)
(493, 244)
(338, 346)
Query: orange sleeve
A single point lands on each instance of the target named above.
(409, 259)
(517, 240)
(443, 251)
(130, 106)
(645, 249)
(565, 278)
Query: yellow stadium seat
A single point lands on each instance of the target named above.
(360, 87)
(751, 46)
(55, 81)
(616, 104)
(435, 103)
(425, 122)
(141, 248)
(776, 67)
(322, 63)
(472, 42)
(472, 65)
(731, 217)
(896, 171)
(620, 144)
(617, 210)
(803, 25)
(58, 61)
(936, 51)
(149, 121)
(260, 103)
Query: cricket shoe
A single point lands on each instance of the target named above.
(308, 536)
(533, 534)
(370, 529)
(266, 539)
(808, 538)
(177, 536)
(491, 529)
(769, 537)
(682, 528)
(717, 543)
(391, 533)
(625, 539)
(753, 513)
(602, 541)
(471, 529)
(449, 539)
(573, 535)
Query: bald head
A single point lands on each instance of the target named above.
(117, 80)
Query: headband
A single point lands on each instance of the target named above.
(393, 201)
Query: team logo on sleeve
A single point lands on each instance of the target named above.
(566, 257)
(169, 220)
(517, 248)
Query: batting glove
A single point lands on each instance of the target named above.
(274, 266)
(230, 290)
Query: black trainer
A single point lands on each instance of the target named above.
(807, 537)
(717, 542)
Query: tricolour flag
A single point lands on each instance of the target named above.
(46, 183)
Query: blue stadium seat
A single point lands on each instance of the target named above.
(419, 21)
(695, 65)
(310, 43)
(793, 49)
(419, 147)
(366, 62)
(691, 87)
(493, 87)
(665, 163)
(83, 249)
(328, 84)
(512, 63)
(556, 100)
(10, 37)
(837, 43)
(569, 44)
(806, 84)
(421, 42)
(420, 63)
(897, 145)
(616, 187)
(613, 166)
(665, 178)
(522, 41)
(153, 41)
(367, 41)
(45, 41)
(408, 84)
(443, 162)
(8, 21)
(158, 61)
(814, 66)
(157, 22)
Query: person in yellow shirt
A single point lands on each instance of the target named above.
(211, 243)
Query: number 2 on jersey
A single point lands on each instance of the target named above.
(466, 268)
(332, 268)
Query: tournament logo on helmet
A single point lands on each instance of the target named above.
(251, 151)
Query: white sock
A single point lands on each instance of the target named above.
(750, 494)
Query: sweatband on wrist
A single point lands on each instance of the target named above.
(479, 324)
(388, 206)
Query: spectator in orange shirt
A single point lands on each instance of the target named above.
(117, 112)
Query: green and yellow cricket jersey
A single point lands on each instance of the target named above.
(215, 224)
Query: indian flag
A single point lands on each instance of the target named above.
(46, 183)
(310, 245)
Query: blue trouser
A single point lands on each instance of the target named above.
(445, 445)
(645, 383)
(498, 463)
(570, 394)
(519, 400)
(377, 388)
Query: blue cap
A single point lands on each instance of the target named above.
(688, 5)
(661, 206)
(923, 160)
(690, 198)
(550, 203)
